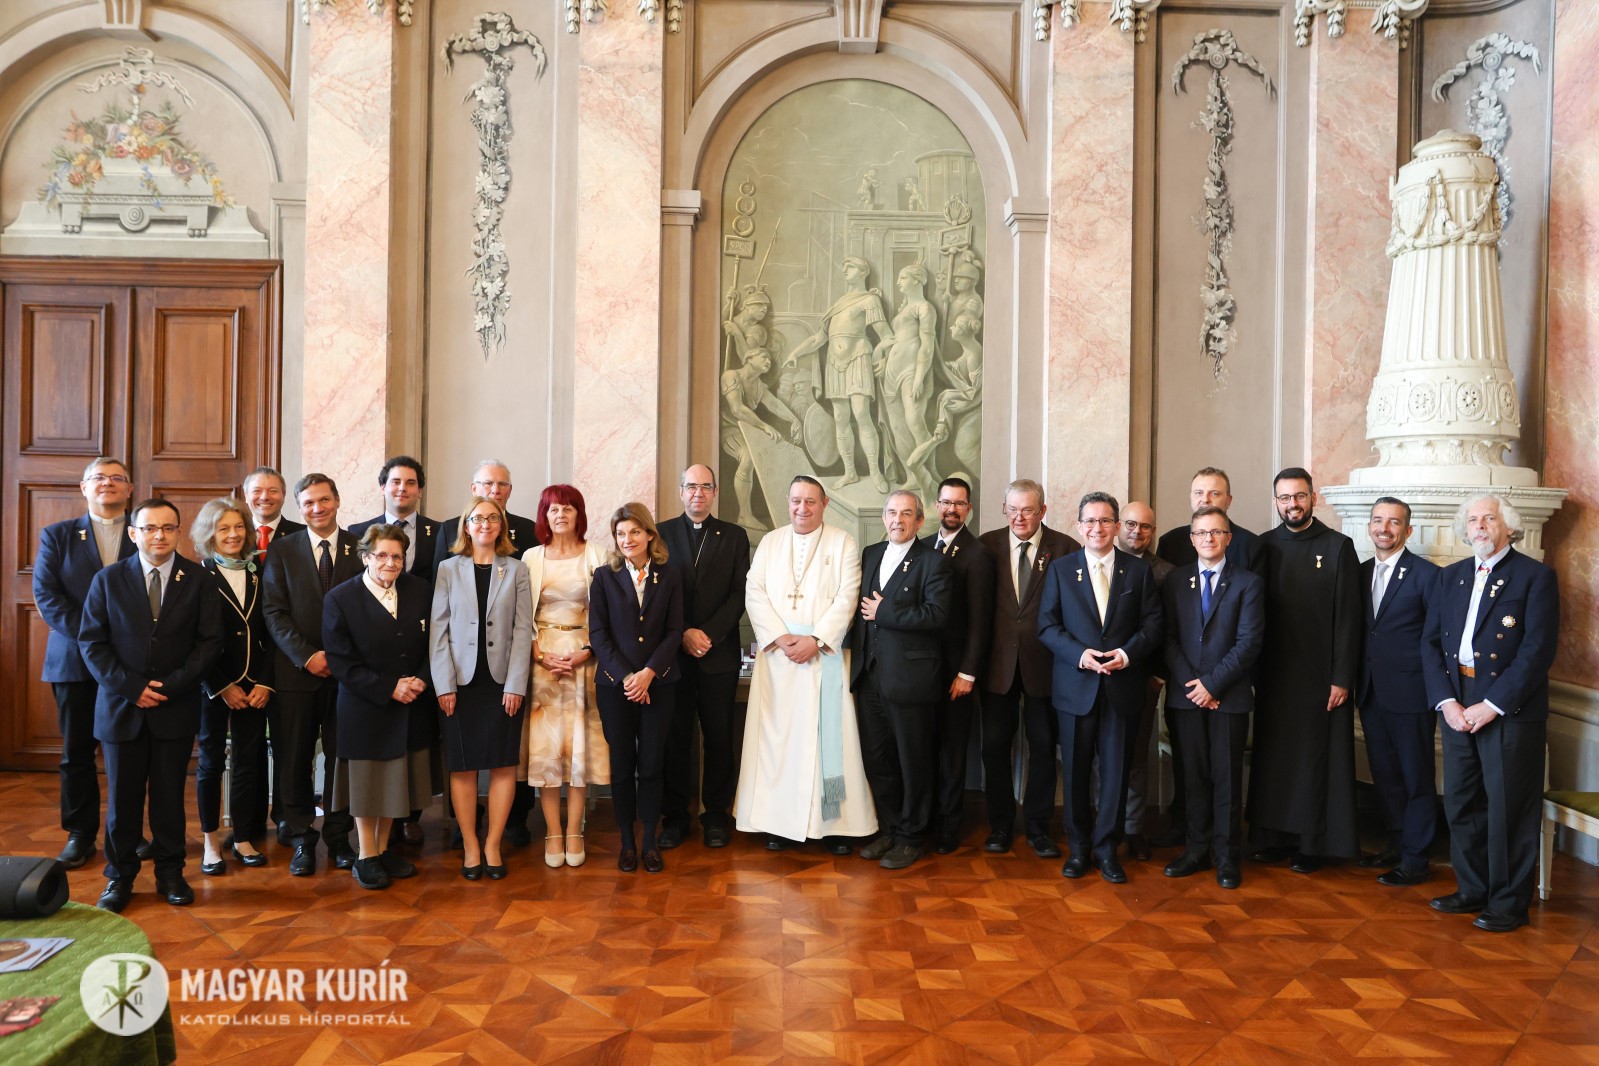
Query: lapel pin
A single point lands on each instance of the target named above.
(346, 551)
(427, 531)
(1508, 621)
(424, 622)
(83, 534)
(178, 576)
(1193, 582)
(1079, 573)
(1401, 573)
(1318, 562)
(954, 550)
(513, 535)
(502, 570)
(906, 568)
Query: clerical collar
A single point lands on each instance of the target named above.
(806, 537)
(108, 522)
(696, 525)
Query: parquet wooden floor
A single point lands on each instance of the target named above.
(742, 956)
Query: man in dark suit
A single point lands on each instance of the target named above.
(894, 653)
(1100, 618)
(1137, 538)
(714, 559)
(300, 570)
(70, 554)
(150, 632)
(402, 480)
(965, 644)
(1399, 724)
(1017, 678)
(264, 492)
(1215, 616)
(1492, 628)
(491, 480)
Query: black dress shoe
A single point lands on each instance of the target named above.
(1138, 847)
(283, 836)
(1043, 847)
(671, 837)
(214, 869)
(1074, 868)
(878, 848)
(176, 891)
(946, 845)
(900, 856)
(1304, 864)
(1186, 865)
(396, 867)
(652, 861)
(998, 841)
(496, 873)
(1386, 859)
(369, 873)
(716, 836)
(1110, 868)
(777, 843)
(1497, 922)
(627, 861)
(1227, 875)
(1271, 854)
(144, 850)
(411, 833)
(116, 895)
(472, 873)
(837, 845)
(257, 859)
(303, 864)
(343, 856)
(1455, 903)
(79, 849)
(1400, 877)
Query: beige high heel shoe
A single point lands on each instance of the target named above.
(556, 860)
(578, 857)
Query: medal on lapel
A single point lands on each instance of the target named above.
(906, 568)
(513, 534)
(1193, 582)
(954, 550)
(177, 577)
(502, 571)
(1042, 560)
(1508, 621)
(427, 531)
(346, 551)
(83, 534)
(1402, 573)
(1495, 590)
(1079, 573)
(1318, 562)
(424, 622)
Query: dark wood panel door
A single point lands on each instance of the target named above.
(172, 365)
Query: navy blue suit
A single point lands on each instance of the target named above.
(247, 660)
(67, 560)
(1400, 725)
(1219, 651)
(1098, 712)
(147, 749)
(1493, 778)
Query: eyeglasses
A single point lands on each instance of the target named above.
(959, 505)
(1131, 526)
(1209, 534)
(385, 559)
(1023, 512)
(483, 520)
(1097, 521)
(1294, 497)
(493, 484)
(105, 479)
(693, 487)
(151, 531)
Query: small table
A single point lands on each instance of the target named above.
(66, 1035)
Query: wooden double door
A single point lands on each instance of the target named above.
(173, 366)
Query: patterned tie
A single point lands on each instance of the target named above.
(324, 566)
(155, 595)
(1205, 593)
(263, 537)
(1024, 574)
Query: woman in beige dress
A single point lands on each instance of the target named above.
(563, 743)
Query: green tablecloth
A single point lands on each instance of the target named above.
(66, 1035)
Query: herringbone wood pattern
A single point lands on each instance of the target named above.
(742, 956)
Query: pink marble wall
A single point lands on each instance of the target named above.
(347, 252)
(1572, 536)
(1087, 414)
(1354, 104)
(618, 263)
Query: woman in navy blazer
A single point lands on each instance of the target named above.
(237, 688)
(635, 626)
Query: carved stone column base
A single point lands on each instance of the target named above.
(1433, 504)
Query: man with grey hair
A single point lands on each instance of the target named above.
(1491, 633)
(894, 651)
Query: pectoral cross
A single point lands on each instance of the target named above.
(794, 598)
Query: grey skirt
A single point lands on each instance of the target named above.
(384, 788)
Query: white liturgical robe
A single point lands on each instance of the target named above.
(780, 788)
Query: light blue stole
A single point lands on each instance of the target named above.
(830, 727)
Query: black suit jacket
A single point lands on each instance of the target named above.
(713, 585)
(1013, 636)
(523, 531)
(67, 561)
(902, 645)
(368, 652)
(1513, 642)
(426, 557)
(126, 649)
(247, 658)
(1068, 625)
(1390, 663)
(1220, 650)
(293, 607)
(1244, 551)
(971, 605)
(627, 636)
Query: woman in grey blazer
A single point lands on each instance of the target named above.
(481, 651)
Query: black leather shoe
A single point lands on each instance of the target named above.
(716, 836)
(283, 835)
(1186, 865)
(369, 873)
(303, 864)
(947, 844)
(671, 837)
(1400, 877)
(257, 859)
(1455, 903)
(472, 873)
(1270, 854)
(496, 873)
(396, 867)
(1304, 864)
(1386, 859)
(878, 848)
(1044, 847)
(116, 895)
(144, 850)
(176, 891)
(1227, 875)
(627, 861)
(1138, 847)
(518, 835)
(79, 849)
(214, 869)
(777, 843)
(411, 833)
(1074, 868)
(900, 856)
(1495, 922)
(998, 841)
(1110, 868)
(652, 861)
(343, 856)
(837, 845)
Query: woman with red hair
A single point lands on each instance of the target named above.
(563, 743)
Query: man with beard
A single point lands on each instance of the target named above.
(1302, 771)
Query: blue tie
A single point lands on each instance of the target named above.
(1204, 594)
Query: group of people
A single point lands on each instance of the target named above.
(422, 653)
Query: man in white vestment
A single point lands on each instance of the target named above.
(802, 776)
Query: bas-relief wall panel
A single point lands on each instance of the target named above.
(1511, 95)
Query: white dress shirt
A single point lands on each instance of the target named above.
(893, 555)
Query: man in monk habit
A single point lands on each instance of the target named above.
(1302, 771)
(801, 774)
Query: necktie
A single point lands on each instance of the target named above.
(263, 537)
(1024, 574)
(1205, 594)
(410, 543)
(1101, 588)
(1379, 585)
(943, 545)
(324, 566)
(155, 595)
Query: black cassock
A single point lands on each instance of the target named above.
(1302, 770)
